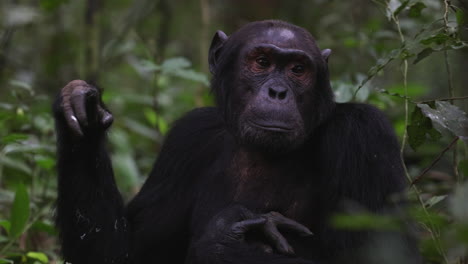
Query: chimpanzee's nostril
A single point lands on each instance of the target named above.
(272, 93)
(282, 95)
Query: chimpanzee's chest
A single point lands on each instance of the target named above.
(264, 185)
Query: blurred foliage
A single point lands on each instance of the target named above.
(407, 57)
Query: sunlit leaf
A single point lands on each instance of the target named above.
(19, 211)
(435, 200)
(163, 126)
(447, 116)
(45, 162)
(38, 256)
(6, 225)
(151, 116)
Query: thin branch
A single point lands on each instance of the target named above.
(443, 99)
(434, 162)
(433, 229)
(449, 84)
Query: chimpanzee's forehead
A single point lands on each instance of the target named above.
(282, 37)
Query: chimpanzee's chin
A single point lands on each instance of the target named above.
(270, 141)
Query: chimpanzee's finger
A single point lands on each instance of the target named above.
(105, 117)
(70, 117)
(287, 223)
(240, 228)
(78, 103)
(276, 238)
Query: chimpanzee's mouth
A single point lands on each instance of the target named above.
(275, 126)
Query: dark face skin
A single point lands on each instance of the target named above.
(275, 82)
(272, 91)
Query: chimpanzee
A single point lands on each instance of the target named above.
(247, 181)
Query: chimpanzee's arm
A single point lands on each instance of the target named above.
(90, 212)
(361, 168)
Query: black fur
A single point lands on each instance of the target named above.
(349, 155)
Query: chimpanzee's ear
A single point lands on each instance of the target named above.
(325, 54)
(216, 44)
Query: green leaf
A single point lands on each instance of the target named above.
(439, 39)
(429, 217)
(24, 86)
(447, 116)
(19, 211)
(174, 64)
(38, 256)
(463, 167)
(140, 129)
(16, 164)
(423, 54)
(6, 225)
(415, 10)
(6, 261)
(420, 128)
(434, 200)
(51, 5)
(400, 8)
(461, 17)
(46, 163)
(394, 7)
(365, 221)
(14, 138)
(151, 116)
(45, 227)
(462, 233)
(178, 67)
(163, 126)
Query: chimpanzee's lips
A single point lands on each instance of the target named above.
(272, 126)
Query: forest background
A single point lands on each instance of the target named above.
(407, 57)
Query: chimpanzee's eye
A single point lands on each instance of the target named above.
(263, 61)
(298, 69)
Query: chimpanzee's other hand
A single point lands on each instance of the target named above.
(81, 107)
(232, 225)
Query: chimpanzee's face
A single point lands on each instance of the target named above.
(276, 79)
(272, 94)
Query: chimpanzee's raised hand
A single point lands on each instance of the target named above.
(80, 105)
